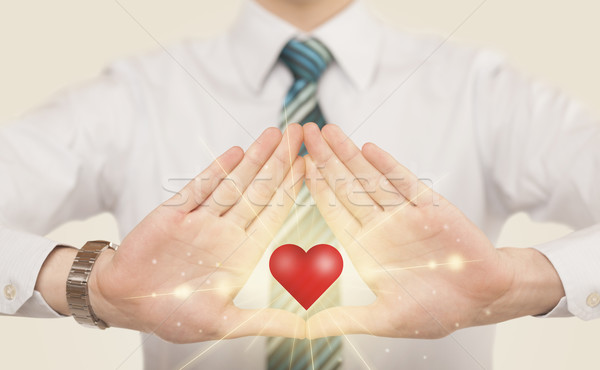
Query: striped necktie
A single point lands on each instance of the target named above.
(305, 226)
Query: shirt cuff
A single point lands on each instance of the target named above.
(21, 258)
(560, 310)
(576, 259)
(36, 306)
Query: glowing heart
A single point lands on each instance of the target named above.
(306, 275)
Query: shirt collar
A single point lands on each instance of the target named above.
(353, 36)
(256, 40)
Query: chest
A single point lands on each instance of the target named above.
(425, 126)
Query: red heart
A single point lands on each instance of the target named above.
(306, 275)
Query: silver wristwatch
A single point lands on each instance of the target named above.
(77, 283)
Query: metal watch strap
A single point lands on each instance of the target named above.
(77, 283)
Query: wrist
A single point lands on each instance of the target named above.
(102, 308)
(53, 276)
(535, 285)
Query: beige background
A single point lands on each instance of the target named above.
(47, 45)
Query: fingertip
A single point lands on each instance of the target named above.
(272, 132)
(330, 128)
(231, 157)
(369, 146)
(294, 129)
(236, 151)
(300, 329)
(312, 137)
(294, 126)
(336, 138)
(310, 127)
(372, 152)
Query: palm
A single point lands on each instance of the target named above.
(177, 273)
(412, 247)
(163, 282)
(418, 258)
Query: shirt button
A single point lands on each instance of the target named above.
(593, 299)
(10, 291)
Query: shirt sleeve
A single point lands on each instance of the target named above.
(541, 154)
(57, 163)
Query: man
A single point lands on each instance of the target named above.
(418, 258)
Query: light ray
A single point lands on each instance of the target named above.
(260, 332)
(321, 323)
(376, 291)
(430, 265)
(292, 353)
(229, 333)
(449, 333)
(254, 339)
(356, 322)
(149, 335)
(292, 170)
(349, 342)
(312, 359)
(176, 293)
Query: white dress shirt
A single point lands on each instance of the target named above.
(496, 142)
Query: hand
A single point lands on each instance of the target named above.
(177, 273)
(431, 269)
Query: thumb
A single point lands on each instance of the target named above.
(270, 322)
(344, 320)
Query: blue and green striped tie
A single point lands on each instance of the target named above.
(305, 226)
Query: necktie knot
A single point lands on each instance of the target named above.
(306, 59)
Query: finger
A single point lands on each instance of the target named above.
(263, 186)
(268, 322)
(346, 320)
(405, 181)
(337, 216)
(375, 183)
(345, 185)
(197, 190)
(234, 184)
(270, 219)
